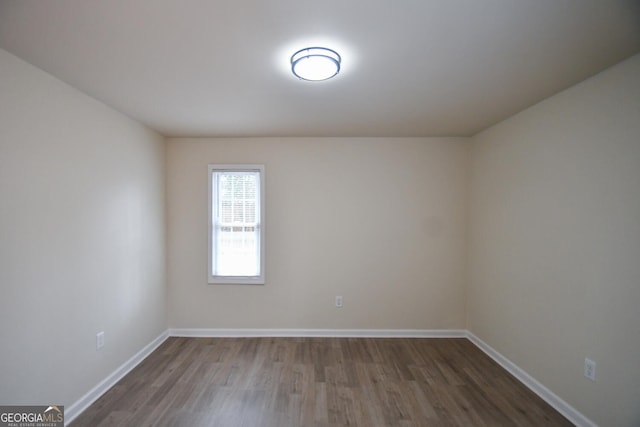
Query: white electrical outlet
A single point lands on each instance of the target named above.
(590, 369)
(99, 340)
(339, 301)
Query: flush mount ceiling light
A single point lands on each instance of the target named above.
(315, 63)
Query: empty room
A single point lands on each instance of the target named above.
(295, 213)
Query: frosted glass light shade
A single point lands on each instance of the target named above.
(315, 63)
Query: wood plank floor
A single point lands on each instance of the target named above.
(318, 382)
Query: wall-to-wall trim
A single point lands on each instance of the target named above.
(568, 411)
(71, 412)
(320, 333)
(547, 395)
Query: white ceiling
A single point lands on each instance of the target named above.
(410, 67)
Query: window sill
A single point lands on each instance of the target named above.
(235, 280)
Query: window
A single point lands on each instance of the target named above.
(236, 224)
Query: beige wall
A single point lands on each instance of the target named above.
(82, 241)
(555, 242)
(379, 221)
(554, 238)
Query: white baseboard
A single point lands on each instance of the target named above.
(85, 401)
(320, 333)
(547, 395)
(534, 385)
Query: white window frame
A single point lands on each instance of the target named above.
(242, 280)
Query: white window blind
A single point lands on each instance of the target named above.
(236, 226)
